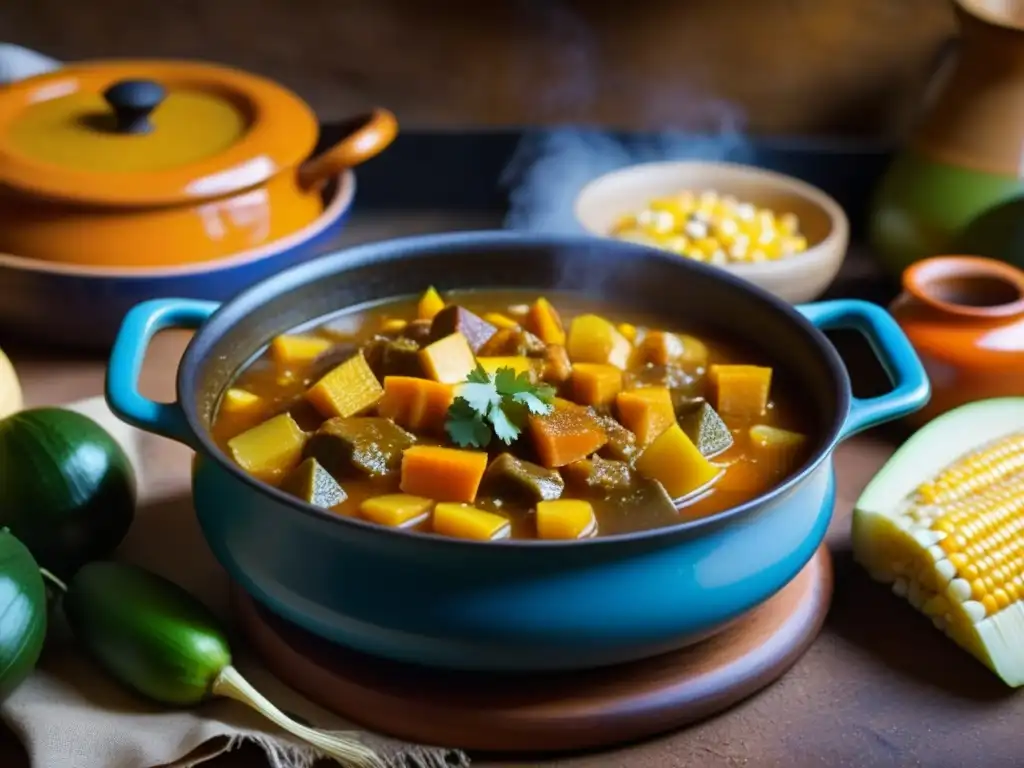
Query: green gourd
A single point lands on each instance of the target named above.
(67, 489)
(22, 613)
(156, 638)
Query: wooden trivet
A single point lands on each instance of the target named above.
(548, 712)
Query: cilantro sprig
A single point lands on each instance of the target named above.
(495, 405)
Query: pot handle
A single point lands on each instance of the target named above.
(364, 137)
(140, 325)
(911, 387)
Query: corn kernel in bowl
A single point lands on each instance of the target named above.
(713, 228)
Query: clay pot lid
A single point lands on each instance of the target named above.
(148, 132)
(967, 286)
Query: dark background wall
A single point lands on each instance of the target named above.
(850, 67)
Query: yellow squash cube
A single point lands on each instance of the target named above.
(430, 304)
(675, 462)
(565, 519)
(348, 389)
(270, 449)
(448, 360)
(294, 351)
(592, 339)
(518, 363)
(396, 509)
(462, 521)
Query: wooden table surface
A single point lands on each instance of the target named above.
(880, 687)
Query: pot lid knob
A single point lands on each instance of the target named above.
(132, 102)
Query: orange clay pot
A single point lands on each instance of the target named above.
(965, 317)
(161, 163)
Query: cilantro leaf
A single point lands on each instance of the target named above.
(544, 392)
(507, 382)
(479, 396)
(506, 431)
(465, 426)
(461, 409)
(533, 403)
(478, 376)
(489, 405)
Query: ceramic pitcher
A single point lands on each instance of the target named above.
(957, 185)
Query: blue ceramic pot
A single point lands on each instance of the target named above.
(515, 605)
(70, 305)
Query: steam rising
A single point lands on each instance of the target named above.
(550, 167)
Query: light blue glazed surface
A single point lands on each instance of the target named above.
(524, 605)
(507, 608)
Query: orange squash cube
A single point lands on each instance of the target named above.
(442, 474)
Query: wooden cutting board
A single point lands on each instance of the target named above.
(549, 712)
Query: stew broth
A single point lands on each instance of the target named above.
(362, 388)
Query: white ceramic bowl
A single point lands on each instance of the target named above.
(800, 278)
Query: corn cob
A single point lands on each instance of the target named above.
(953, 544)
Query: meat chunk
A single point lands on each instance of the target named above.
(600, 474)
(361, 445)
(456, 319)
(511, 477)
(513, 342)
(418, 331)
(621, 443)
(393, 357)
(668, 376)
(556, 368)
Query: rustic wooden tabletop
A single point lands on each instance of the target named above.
(880, 687)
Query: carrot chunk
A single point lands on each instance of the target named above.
(346, 390)
(543, 321)
(741, 391)
(420, 405)
(442, 474)
(595, 383)
(448, 360)
(646, 412)
(565, 435)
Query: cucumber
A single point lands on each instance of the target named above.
(22, 613)
(67, 489)
(155, 638)
(147, 632)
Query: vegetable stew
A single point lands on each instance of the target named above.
(487, 415)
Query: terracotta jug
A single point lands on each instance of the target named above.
(957, 186)
(965, 317)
